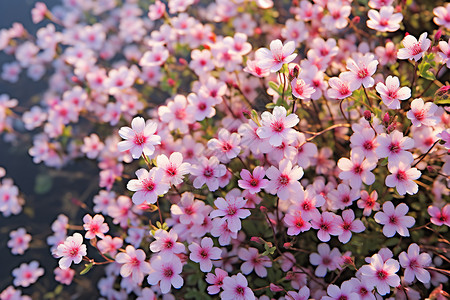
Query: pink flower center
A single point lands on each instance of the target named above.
(416, 49)
(346, 226)
(343, 297)
(392, 94)
(209, 172)
(283, 180)
(226, 147)
(253, 182)
(394, 148)
(368, 145)
(413, 264)
(231, 210)
(384, 22)
(277, 126)
(363, 73)
(240, 290)
(168, 272)
(135, 262)
(171, 171)
(150, 185)
(168, 244)
(202, 106)
(73, 252)
(326, 260)
(357, 169)
(401, 175)
(180, 114)
(189, 210)
(204, 253)
(393, 220)
(419, 115)
(382, 274)
(140, 139)
(299, 222)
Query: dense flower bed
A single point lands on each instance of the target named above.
(246, 149)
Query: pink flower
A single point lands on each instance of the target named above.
(72, 250)
(216, 281)
(381, 274)
(422, 113)
(439, 217)
(19, 241)
(391, 93)
(139, 138)
(92, 146)
(442, 15)
(394, 146)
(348, 225)
(444, 52)
(64, 276)
(368, 202)
(414, 49)
(202, 105)
(296, 223)
(174, 168)
(95, 226)
(357, 169)
(253, 68)
(177, 114)
(110, 245)
(231, 208)
(254, 261)
(328, 224)
(235, 288)
(324, 259)
(204, 253)
(166, 243)
(156, 57)
(166, 272)
(278, 55)
(157, 10)
(394, 220)
(300, 89)
(27, 274)
(338, 12)
(365, 142)
(414, 264)
(253, 182)
(226, 147)
(38, 12)
(284, 180)
(277, 127)
(385, 20)
(402, 178)
(208, 171)
(134, 264)
(345, 292)
(361, 71)
(339, 87)
(148, 186)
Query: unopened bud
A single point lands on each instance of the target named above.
(391, 128)
(287, 245)
(398, 8)
(386, 119)
(275, 288)
(257, 239)
(367, 115)
(182, 61)
(431, 169)
(258, 30)
(356, 20)
(171, 82)
(406, 34)
(438, 35)
(263, 209)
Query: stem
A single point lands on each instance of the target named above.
(368, 99)
(322, 132)
(159, 211)
(431, 82)
(426, 153)
(342, 111)
(414, 79)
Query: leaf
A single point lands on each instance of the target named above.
(87, 268)
(275, 87)
(43, 184)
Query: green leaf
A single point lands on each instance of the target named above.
(442, 101)
(87, 268)
(275, 87)
(43, 184)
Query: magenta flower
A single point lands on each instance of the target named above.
(27, 274)
(166, 272)
(148, 186)
(381, 274)
(204, 253)
(394, 146)
(328, 224)
(64, 276)
(394, 219)
(134, 264)
(226, 147)
(208, 171)
(235, 288)
(174, 168)
(345, 292)
(414, 49)
(278, 55)
(140, 138)
(368, 202)
(300, 89)
(442, 15)
(324, 259)
(357, 169)
(439, 217)
(284, 180)
(216, 281)
(348, 225)
(231, 208)
(277, 127)
(391, 93)
(296, 223)
(414, 264)
(254, 261)
(402, 178)
(72, 250)
(95, 226)
(253, 182)
(188, 210)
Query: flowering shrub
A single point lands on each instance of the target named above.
(301, 151)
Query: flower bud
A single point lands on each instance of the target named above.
(275, 288)
(356, 20)
(287, 245)
(367, 115)
(437, 36)
(386, 119)
(182, 61)
(263, 209)
(257, 239)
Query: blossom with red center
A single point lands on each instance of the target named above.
(385, 20)
(346, 291)
(415, 263)
(174, 168)
(439, 217)
(328, 224)
(442, 15)
(301, 90)
(365, 141)
(284, 180)
(342, 197)
(253, 182)
(64, 276)
(140, 138)
(349, 225)
(254, 261)
(402, 178)
(381, 274)
(253, 68)
(19, 241)
(368, 202)
(27, 274)
(394, 219)
(325, 259)
(188, 210)
(166, 272)
(202, 105)
(339, 87)
(391, 93)
(413, 48)
(204, 253)
(166, 242)
(296, 222)
(422, 113)
(155, 57)
(208, 171)
(278, 55)
(394, 146)
(134, 264)
(226, 146)
(231, 208)
(357, 169)
(72, 250)
(177, 114)
(277, 127)
(236, 288)
(148, 186)
(361, 71)
(95, 226)
(216, 280)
